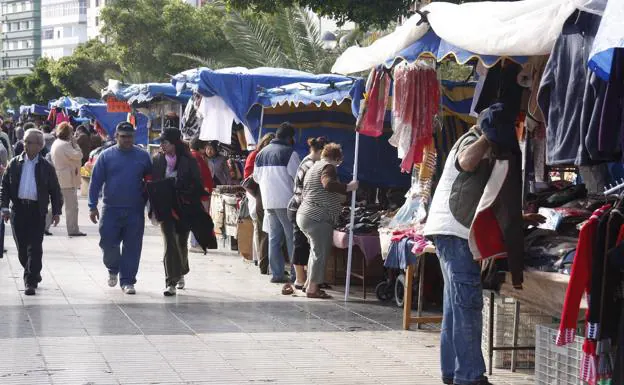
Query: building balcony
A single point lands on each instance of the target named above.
(64, 41)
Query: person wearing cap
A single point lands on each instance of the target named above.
(464, 181)
(121, 171)
(176, 163)
(275, 171)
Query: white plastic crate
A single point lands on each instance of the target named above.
(503, 331)
(556, 365)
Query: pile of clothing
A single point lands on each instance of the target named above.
(367, 219)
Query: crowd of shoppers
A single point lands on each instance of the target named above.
(301, 201)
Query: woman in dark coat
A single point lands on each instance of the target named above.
(174, 164)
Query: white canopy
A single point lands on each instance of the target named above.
(520, 28)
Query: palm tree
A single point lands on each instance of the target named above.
(290, 38)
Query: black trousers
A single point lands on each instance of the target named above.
(301, 252)
(28, 226)
(175, 259)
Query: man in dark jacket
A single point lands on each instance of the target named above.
(30, 184)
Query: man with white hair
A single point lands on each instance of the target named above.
(29, 185)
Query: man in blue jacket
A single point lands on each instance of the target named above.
(275, 170)
(121, 170)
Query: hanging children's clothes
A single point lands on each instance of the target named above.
(57, 116)
(370, 122)
(416, 99)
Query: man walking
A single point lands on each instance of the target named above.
(121, 170)
(275, 170)
(30, 183)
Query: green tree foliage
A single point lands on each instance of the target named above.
(149, 32)
(85, 72)
(288, 38)
(364, 12)
(34, 88)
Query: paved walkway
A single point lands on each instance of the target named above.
(230, 326)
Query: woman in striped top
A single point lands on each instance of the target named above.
(321, 205)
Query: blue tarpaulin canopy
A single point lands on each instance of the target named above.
(141, 94)
(609, 39)
(109, 120)
(238, 87)
(34, 109)
(71, 103)
(431, 45)
(325, 110)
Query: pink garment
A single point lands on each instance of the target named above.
(171, 163)
(420, 242)
(369, 245)
(371, 119)
(416, 102)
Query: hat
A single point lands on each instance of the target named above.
(124, 127)
(171, 135)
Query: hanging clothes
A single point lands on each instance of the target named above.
(572, 98)
(191, 121)
(416, 99)
(57, 116)
(370, 122)
(217, 120)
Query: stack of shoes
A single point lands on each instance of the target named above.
(367, 220)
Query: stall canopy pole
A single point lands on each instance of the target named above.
(260, 129)
(352, 220)
(180, 118)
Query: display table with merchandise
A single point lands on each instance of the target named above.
(369, 248)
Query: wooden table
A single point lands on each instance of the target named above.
(407, 302)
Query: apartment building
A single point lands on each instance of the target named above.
(63, 26)
(21, 36)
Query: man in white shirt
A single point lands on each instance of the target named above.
(29, 185)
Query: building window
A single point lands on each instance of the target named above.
(20, 44)
(19, 7)
(58, 34)
(23, 25)
(97, 21)
(14, 63)
(28, 6)
(5, 45)
(29, 44)
(23, 63)
(48, 34)
(12, 45)
(31, 62)
(5, 27)
(14, 27)
(6, 64)
(97, 3)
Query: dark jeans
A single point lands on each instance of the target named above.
(121, 241)
(176, 251)
(28, 226)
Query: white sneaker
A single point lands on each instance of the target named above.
(112, 279)
(169, 291)
(128, 289)
(181, 283)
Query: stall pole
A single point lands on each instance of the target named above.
(352, 221)
(260, 129)
(180, 117)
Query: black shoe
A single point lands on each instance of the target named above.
(279, 280)
(77, 235)
(446, 381)
(30, 290)
(47, 233)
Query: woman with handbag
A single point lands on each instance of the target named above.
(176, 166)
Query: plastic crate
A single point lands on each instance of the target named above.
(503, 332)
(556, 365)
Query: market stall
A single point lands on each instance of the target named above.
(159, 102)
(556, 133)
